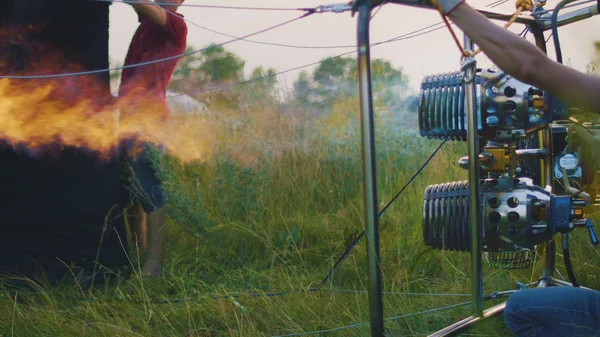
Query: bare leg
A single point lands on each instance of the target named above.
(136, 217)
(156, 233)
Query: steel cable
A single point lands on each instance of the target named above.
(157, 3)
(359, 237)
(91, 72)
(357, 325)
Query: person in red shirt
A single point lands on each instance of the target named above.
(162, 34)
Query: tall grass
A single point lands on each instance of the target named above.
(272, 210)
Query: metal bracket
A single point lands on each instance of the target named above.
(468, 68)
(334, 8)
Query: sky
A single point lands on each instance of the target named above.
(418, 57)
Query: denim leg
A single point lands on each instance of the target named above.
(554, 311)
(145, 182)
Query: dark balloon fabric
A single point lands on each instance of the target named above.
(61, 208)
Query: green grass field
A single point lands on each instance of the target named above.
(271, 210)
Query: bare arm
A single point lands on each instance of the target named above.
(155, 13)
(522, 60)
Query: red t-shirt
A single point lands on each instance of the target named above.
(145, 87)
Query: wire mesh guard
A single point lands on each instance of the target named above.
(511, 260)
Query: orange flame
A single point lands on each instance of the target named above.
(35, 118)
(44, 115)
(41, 114)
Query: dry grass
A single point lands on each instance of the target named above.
(271, 210)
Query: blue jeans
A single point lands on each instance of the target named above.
(142, 183)
(554, 311)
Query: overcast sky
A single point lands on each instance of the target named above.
(428, 54)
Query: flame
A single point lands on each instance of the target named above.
(42, 115)
(36, 118)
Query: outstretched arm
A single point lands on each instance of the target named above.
(522, 60)
(155, 13)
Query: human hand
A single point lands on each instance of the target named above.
(587, 145)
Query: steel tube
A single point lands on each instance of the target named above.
(531, 154)
(369, 171)
(547, 164)
(565, 284)
(466, 323)
(565, 19)
(572, 17)
(487, 12)
(505, 16)
(474, 207)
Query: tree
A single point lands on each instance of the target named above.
(185, 77)
(389, 83)
(263, 80)
(212, 68)
(302, 88)
(260, 90)
(336, 78)
(333, 78)
(220, 66)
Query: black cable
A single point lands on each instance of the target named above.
(358, 238)
(410, 35)
(271, 43)
(378, 9)
(355, 242)
(497, 3)
(211, 6)
(406, 36)
(91, 72)
(567, 258)
(494, 4)
(569, 268)
(555, 28)
(397, 38)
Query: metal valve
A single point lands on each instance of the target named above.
(590, 227)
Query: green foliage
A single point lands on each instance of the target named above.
(336, 79)
(273, 223)
(273, 210)
(592, 67)
(186, 73)
(262, 90)
(213, 66)
(302, 88)
(220, 66)
(219, 69)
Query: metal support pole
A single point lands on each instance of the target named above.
(573, 16)
(369, 170)
(468, 322)
(547, 164)
(474, 168)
